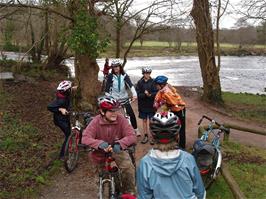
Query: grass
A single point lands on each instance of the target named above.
(248, 167)
(22, 155)
(160, 48)
(247, 106)
(219, 189)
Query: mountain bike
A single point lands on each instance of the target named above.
(109, 179)
(207, 151)
(73, 143)
(110, 183)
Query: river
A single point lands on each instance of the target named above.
(238, 74)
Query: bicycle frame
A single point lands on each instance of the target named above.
(73, 143)
(215, 142)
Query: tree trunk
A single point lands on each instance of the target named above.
(87, 75)
(204, 36)
(118, 42)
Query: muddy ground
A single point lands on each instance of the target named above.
(33, 97)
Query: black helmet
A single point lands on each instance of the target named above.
(164, 127)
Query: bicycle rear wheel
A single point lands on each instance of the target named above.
(72, 151)
(208, 178)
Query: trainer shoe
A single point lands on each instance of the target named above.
(137, 132)
(145, 139)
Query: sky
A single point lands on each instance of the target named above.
(227, 20)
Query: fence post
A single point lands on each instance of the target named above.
(232, 183)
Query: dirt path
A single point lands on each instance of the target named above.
(82, 183)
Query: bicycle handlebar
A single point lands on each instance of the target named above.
(221, 127)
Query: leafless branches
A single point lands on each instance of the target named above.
(253, 9)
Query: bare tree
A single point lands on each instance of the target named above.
(205, 40)
(142, 20)
(253, 9)
(85, 55)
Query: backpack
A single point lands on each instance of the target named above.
(203, 153)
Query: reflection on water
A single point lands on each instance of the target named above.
(238, 74)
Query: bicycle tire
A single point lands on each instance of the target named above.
(72, 151)
(208, 179)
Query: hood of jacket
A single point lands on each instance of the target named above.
(167, 166)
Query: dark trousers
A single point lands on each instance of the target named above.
(182, 133)
(132, 116)
(66, 128)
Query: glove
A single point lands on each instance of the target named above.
(103, 145)
(117, 148)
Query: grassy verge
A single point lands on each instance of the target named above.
(246, 106)
(24, 154)
(247, 165)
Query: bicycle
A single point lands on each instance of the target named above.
(73, 143)
(110, 183)
(207, 153)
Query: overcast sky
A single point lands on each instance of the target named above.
(227, 20)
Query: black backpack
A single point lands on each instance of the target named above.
(203, 153)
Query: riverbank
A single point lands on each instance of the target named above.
(161, 49)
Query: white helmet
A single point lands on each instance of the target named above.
(165, 126)
(146, 69)
(116, 62)
(64, 85)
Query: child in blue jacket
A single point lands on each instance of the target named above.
(167, 172)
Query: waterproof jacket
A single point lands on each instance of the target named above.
(116, 86)
(145, 103)
(99, 131)
(170, 97)
(61, 101)
(169, 178)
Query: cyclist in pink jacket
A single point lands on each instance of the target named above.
(110, 131)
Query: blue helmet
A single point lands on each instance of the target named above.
(160, 79)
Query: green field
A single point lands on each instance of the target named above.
(160, 48)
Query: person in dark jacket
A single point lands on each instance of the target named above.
(60, 107)
(146, 92)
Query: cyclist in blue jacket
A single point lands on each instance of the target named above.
(60, 107)
(167, 172)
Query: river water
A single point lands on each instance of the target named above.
(238, 74)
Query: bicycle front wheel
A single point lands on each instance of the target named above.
(72, 151)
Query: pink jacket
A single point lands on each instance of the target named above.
(99, 131)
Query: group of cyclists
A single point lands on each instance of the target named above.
(167, 171)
